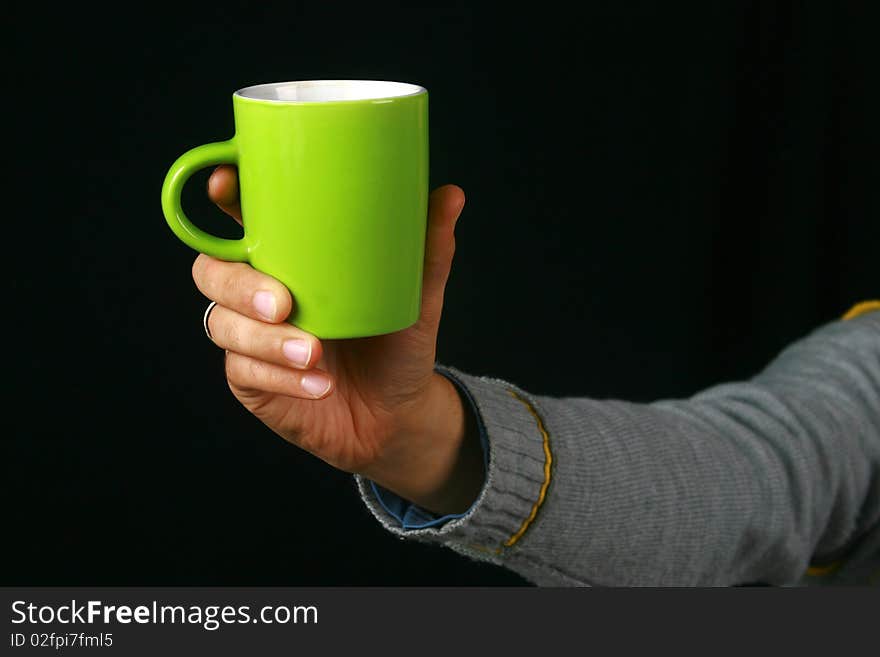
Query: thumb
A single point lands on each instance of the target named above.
(444, 208)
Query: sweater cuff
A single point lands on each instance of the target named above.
(516, 480)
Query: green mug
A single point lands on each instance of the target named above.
(333, 180)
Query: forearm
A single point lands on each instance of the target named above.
(743, 483)
(806, 439)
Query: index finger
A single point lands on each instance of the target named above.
(223, 190)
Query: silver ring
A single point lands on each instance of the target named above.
(205, 319)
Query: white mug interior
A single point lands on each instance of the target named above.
(328, 91)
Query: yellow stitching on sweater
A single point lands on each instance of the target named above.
(862, 308)
(821, 571)
(548, 459)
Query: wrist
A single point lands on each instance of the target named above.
(434, 458)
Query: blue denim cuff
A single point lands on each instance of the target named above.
(412, 516)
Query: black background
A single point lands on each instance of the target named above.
(660, 197)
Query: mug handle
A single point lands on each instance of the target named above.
(221, 152)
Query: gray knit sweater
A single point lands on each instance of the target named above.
(775, 480)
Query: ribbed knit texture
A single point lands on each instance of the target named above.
(743, 483)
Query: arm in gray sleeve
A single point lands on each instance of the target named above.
(743, 483)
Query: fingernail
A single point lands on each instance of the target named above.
(315, 384)
(264, 304)
(297, 351)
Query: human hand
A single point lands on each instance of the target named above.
(372, 406)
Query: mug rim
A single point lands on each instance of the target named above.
(409, 89)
